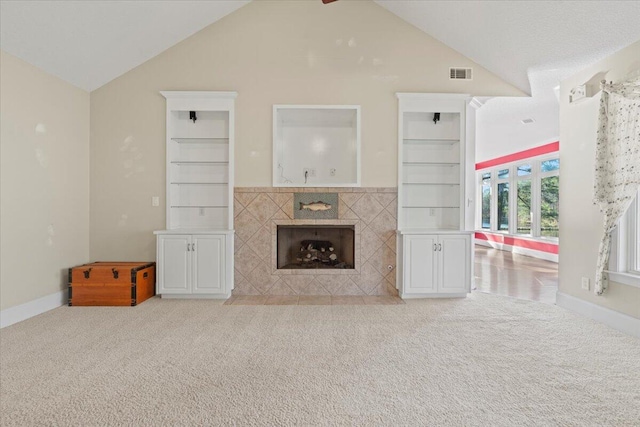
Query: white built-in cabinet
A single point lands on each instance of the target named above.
(435, 252)
(436, 264)
(195, 252)
(200, 269)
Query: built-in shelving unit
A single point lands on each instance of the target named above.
(434, 248)
(199, 171)
(430, 172)
(195, 252)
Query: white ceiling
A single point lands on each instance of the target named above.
(516, 38)
(89, 43)
(530, 44)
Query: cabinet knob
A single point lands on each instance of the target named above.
(435, 247)
(440, 246)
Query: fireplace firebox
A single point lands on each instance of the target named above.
(316, 246)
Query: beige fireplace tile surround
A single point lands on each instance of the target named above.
(258, 211)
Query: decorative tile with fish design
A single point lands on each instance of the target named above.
(315, 205)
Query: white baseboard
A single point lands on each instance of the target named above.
(621, 322)
(21, 312)
(518, 250)
(196, 296)
(427, 296)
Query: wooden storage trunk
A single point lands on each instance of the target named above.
(112, 283)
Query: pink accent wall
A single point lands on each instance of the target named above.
(521, 155)
(551, 248)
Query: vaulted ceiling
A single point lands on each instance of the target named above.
(530, 44)
(89, 43)
(516, 39)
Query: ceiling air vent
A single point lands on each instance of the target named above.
(460, 73)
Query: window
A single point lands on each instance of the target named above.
(624, 263)
(550, 165)
(522, 198)
(523, 204)
(485, 189)
(524, 170)
(635, 254)
(503, 200)
(549, 197)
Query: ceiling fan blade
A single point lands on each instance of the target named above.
(328, 1)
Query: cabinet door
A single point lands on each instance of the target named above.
(419, 267)
(454, 263)
(173, 264)
(208, 264)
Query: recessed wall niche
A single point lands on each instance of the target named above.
(316, 146)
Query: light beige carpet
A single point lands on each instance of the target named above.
(482, 361)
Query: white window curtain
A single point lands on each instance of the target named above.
(617, 174)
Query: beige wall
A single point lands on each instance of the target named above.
(44, 159)
(581, 220)
(271, 52)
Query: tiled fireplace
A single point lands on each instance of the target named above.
(365, 231)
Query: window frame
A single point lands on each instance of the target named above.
(539, 177)
(517, 179)
(494, 198)
(479, 217)
(624, 262)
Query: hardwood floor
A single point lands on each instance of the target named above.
(519, 276)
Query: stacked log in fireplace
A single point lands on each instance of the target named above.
(316, 253)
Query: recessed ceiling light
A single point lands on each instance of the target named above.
(527, 121)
